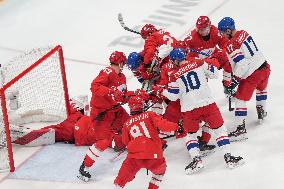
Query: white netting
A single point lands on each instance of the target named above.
(4, 162)
(38, 95)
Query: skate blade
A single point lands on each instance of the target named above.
(197, 169)
(235, 165)
(207, 152)
(260, 121)
(239, 138)
(85, 179)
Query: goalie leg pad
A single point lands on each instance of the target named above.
(28, 137)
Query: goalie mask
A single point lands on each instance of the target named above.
(79, 104)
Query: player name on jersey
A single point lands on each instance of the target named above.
(186, 68)
(137, 118)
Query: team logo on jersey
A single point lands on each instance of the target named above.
(107, 70)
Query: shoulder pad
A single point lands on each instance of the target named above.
(239, 38)
(107, 70)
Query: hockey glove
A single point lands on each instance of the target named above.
(116, 94)
(232, 87)
(142, 94)
(157, 91)
(212, 61)
(180, 129)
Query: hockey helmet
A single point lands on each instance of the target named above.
(147, 30)
(202, 22)
(177, 54)
(117, 58)
(79, 104)
(136, 104)
(134, 60)
(226, 23)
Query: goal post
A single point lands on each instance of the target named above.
(39, 79)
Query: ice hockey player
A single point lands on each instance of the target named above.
(173, 109)
(157, 42)
(108, 92)
(205, 38)
(157, 46)
(76, 129)
(135, 64)
(250, 72)
(144, 146)
(67, 130)
(134, 60)
(172, 112)
(189, 84)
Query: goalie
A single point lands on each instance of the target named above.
(76, 129)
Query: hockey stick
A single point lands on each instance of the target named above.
(118, 155)
(100, 116)
(199, 52)
(120, 19)
(169, 136)
(230, 103)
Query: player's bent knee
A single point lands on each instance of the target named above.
(160, 170)
(103, 144)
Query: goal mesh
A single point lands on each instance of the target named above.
(37, 80)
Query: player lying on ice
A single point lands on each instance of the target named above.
(106, 116)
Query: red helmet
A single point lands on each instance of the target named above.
(202, 22)
(147, 30)
(118, 58)
(136, 104)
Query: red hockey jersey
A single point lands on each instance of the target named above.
(195, 41)
(160, 41)
(140, 135)
(100, 86)
(166, 71)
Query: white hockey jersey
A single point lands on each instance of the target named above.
(244, 55)
(189, 84)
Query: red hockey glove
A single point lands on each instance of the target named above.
(157, 90)
(116, 94)
(142, 94)
(155, 100)
(145, 74)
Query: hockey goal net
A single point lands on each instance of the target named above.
(33, 89)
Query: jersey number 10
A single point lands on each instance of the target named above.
(191, 81)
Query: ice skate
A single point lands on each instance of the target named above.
(261, 114)
(84, 174)
(194, 166)
(239, 134)
(232, 161)
(206, 149)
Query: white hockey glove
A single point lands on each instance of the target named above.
(164, 51)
